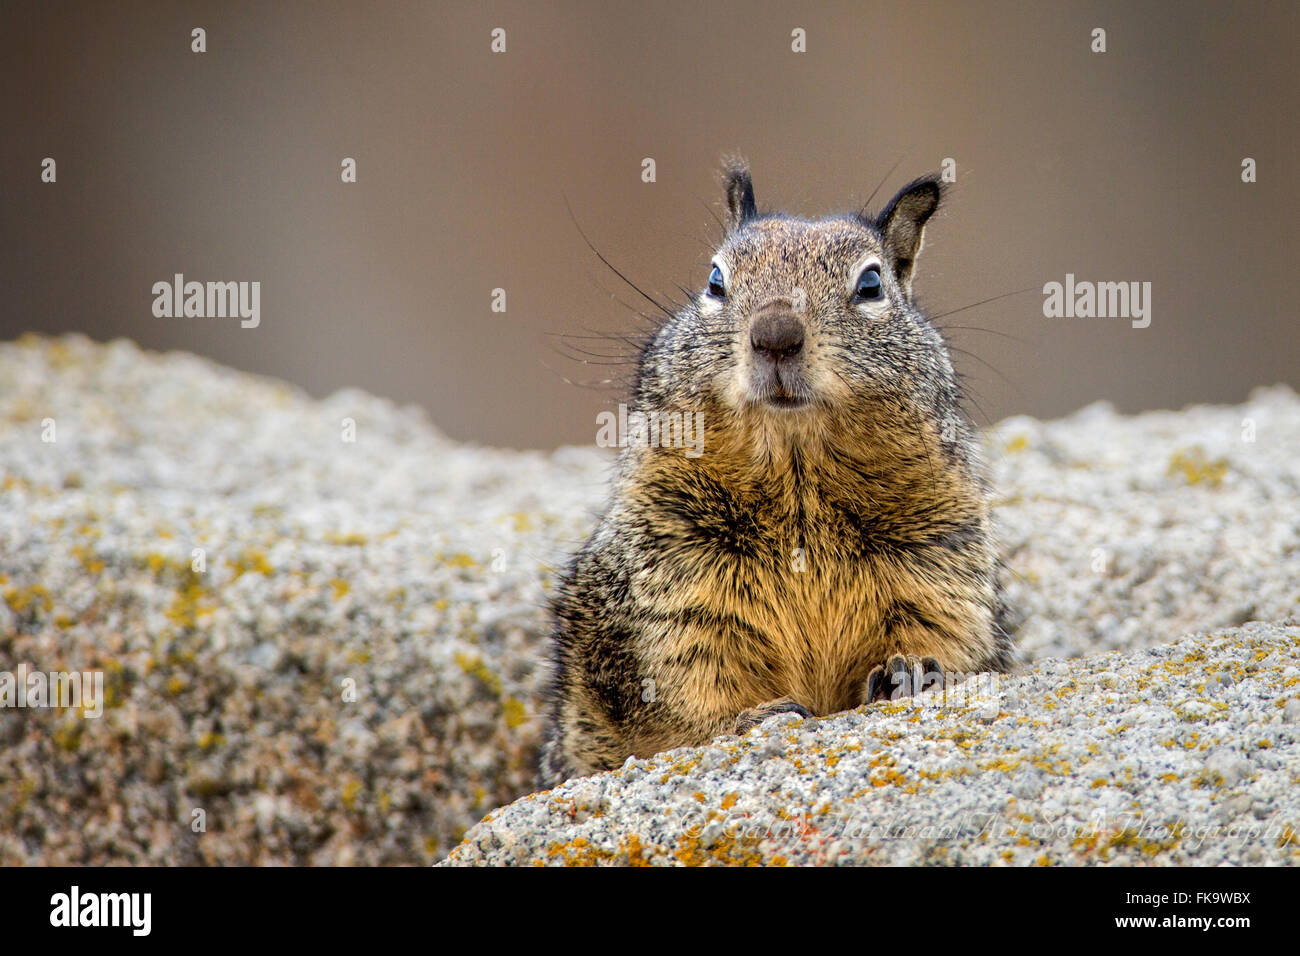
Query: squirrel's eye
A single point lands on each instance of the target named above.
(716, 286)
(869, 285)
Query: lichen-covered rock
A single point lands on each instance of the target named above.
(1123, 532)
(401, 564)
(1180, 754)
(240, 570)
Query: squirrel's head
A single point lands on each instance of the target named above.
(797, 319)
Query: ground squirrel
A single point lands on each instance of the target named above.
(829, 543)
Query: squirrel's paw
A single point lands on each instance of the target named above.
(902, 676)
(751, 718)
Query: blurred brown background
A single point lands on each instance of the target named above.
(225, 166)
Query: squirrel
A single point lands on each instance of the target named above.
(829, 546)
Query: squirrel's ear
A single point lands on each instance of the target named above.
(740, 193)
(901, 224)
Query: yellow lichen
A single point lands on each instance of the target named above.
(68, 735)
(350, 540)
(1195, 468)
(252, 560)
(514, 712)
(475, 667)
(33, 597)
(191, 602)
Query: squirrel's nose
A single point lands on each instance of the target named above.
(776, 335)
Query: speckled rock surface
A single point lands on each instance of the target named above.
(1183, 754)
(1123, 532)
(410, 565)
(414, 570)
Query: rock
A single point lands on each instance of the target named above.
(1057, 785)
(404, 568)
(318, 650)
(1230, 767)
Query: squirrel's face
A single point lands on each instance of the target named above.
(816, 310)
(797, 318)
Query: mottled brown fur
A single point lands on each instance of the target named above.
(837, 517)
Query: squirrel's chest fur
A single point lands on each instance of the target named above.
(795, 587)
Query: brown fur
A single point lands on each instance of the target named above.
(806, 545)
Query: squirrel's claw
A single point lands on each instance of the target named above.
(748, 719)
(902, 676)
